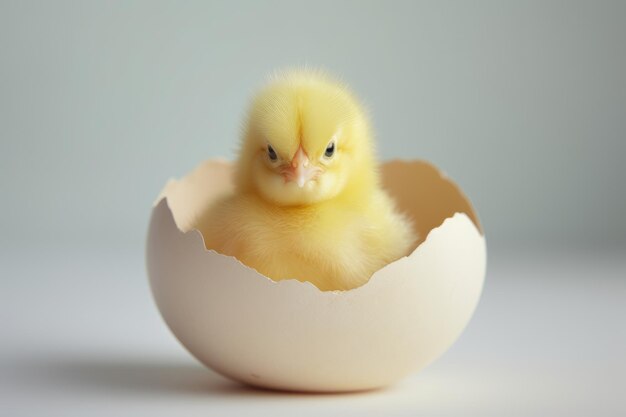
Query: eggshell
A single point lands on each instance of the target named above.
(290, 335)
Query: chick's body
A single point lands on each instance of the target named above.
(307, 202)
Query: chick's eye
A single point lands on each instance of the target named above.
(330, 150)
(271, 153)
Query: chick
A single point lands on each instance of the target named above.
(308, 202)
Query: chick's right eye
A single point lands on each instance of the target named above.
(271, 153)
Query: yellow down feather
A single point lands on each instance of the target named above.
(339, 227)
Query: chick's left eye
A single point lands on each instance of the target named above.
(330, 150)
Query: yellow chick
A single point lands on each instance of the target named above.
(308, 202)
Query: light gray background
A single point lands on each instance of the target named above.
(523, 104)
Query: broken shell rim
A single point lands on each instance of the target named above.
(472, 217)
(434, 230)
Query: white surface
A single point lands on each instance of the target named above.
(81, 336)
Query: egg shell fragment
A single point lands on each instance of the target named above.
(289, 335)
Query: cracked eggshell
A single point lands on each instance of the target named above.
(290, 335)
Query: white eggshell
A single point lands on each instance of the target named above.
(290, 335)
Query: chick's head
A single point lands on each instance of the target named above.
(306, 140)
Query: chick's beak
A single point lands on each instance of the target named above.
(301, 170)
